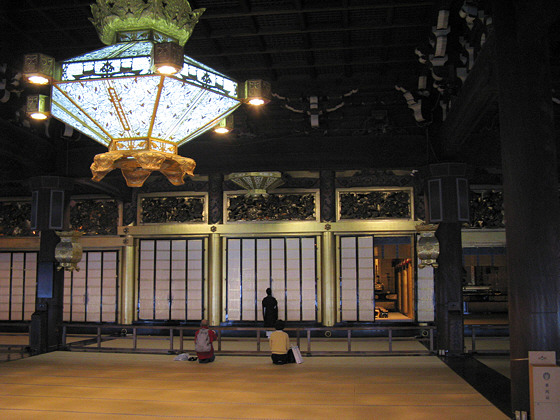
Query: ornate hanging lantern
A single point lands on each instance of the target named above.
(256, 183)
(140, 96)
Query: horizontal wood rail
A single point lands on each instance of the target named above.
(127, 333)
(11, 349)
(492, 328)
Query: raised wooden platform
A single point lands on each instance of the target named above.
(68, 385)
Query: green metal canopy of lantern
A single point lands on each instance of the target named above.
(121, 97)
(256, 183)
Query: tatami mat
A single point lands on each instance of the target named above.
(68, 385)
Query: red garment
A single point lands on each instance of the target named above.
(212, 336)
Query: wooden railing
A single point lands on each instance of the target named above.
(476, 339)
(382, 336)
(13, 350)
(309, 339)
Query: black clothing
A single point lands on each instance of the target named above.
(282, 359)
(270, 311)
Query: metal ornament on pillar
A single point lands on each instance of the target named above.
(428, 245)
(68, 251)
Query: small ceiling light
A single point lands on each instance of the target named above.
(168, 58)
(225, 125)
(38, 69)
(38, 107)
(256, 92)
(38, 80)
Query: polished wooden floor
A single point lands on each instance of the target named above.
(72, 385)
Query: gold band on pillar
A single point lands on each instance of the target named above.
(328, 269)
(128, 280)
(215, 280)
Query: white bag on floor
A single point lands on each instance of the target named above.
(181, 357)
(297, 354)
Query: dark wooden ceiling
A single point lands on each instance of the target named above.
(350, 54)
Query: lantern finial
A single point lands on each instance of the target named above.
(172, 18)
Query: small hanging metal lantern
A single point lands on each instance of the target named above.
(428, 245)
(68, 252)
(256, 183)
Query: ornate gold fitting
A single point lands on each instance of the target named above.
(68, 252)
(427, 245)
(136, 166)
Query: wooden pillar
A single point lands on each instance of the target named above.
(215, 199)
(328, 249)
(328, 196)
(215, 280)
(328, 276)
(50, 212)
(531, 204)
(447, 198)
(215, 216)
(128, 298)
(448, 288)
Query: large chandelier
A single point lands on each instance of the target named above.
(139, 96)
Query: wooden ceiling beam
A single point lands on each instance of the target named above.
(46, 7)
(276, 67)
(478, 96)
(216, 13)
(228, 33)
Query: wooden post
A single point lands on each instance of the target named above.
(529, 166)
(128, 301)
(215, 280)
(50, 212)
(448, 288)
(328, 286)
(215, 198)
(448, 204)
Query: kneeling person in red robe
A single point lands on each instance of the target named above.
(203, 339)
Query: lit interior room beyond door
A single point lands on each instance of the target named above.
(376, 278)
